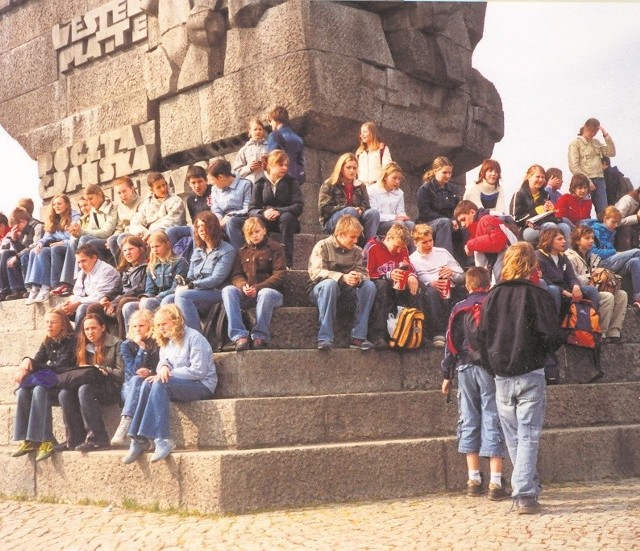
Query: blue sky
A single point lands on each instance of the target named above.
(554, 65)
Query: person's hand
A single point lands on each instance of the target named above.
(548, 206)
(104, 301)
(445, 272)
(70, 307)
(402, 218)
(163, 373)
(396, 274)
(576, 293)
(15, 233)
(413, 284)
(143, 372)
(592, 186)
(223, 221)
(467, 251)
(352, 279)
(26, 367)
(74, 229)
(249, 290)
(440, 284)
(271, 214)
(103, 370)
(11, 263)
(446, 386)
(604, 132)
(553, 180)
(454, 225)
(255, 165)
(38, 248)
(56, 244)
(139, 342)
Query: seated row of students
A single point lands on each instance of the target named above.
(161, 361)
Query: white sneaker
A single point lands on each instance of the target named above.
(121, 438)
(33, 293)
(43, 295)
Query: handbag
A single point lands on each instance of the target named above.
(75, 378)
(605, 280)
(45, 377)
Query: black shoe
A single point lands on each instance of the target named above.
(86, 447)
(526, 505)
(475, 488)
(17, 295)
(243, 344)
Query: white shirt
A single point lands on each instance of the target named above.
(428, 265)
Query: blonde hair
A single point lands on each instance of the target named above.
(530, 172)
(372, 127)
(437, 164)
(388, 170)
(93, 189)
(250, 224)
(399, 231)
(348, 224)
(420, 231)
(613, 213)
(172, 312)
(274, 158)
(520, 261)
(336, 175)
(144, 315)
(161, 237)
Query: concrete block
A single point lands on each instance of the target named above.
(172, 13)
(200, 65)
(175, 42)
(160, 77)
(247, 13)
(18, 476)
(200, 482)
(180, 118)
(204, 424)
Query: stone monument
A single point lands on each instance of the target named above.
(98, 89)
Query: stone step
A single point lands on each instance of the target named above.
(304, 420)
(236, 481)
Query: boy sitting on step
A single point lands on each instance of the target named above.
(337, 270)
(479, 432)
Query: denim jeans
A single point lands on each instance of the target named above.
(33, 414)
(130, 395)
(10, 278)
(176, 233)
(194, 302)
(626, 262)
(442, 233)
(325, 296)
(384, 227)
(233, 230)
(438, 309)
(589, 292)
(531, 235)
(235, 300)
(63, 263)
(82, 412)
(478, 423)
(521, 404)
(369, 219)
(599, 195)
(152, 416)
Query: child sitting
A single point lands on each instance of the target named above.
(479, 432)
(394, 277)
(336, 269)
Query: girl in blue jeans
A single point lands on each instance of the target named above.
(186, 372)
(257, 279)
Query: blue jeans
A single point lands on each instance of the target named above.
(531, 235)
(589, 292)
(33, 414)
(442, 233)
(626, 262)
(63, 263)
(10, 278)
(39, 268)
(235, 300)
(194, 302)
(325, 295)
(152, 415)
(599, 195)
(233, 230)
(521, 402)
(369, 219)
(478, 424)
(176, 233)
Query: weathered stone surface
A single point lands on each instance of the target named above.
(175, 42)
(26, 110)
(17, 477)
(180, 123)
(172, 13)
(160, 76)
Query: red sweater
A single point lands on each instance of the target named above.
(485, 235)
(380, 262)
(573, 208)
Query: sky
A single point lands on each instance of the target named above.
(554, 64)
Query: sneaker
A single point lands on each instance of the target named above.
(42, 296)
(62, 290)
(498, 492)
(17, 295)
(45, 450)
(362, 344)
(325, 345)
(636, 305)
(439, 341)
(137, 447)
(527, 505)
(120, 438)
(475, 488)
(164, 446)
(32, 295)
(243, 344)
(86, 447)
(26, 447)
(260, 343)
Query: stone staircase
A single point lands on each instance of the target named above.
(291, 426)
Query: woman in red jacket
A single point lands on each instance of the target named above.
(575, 205)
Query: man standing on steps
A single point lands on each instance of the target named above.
(283, 137)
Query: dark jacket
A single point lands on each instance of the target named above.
(523, 205)
(196, 205)
(462, 336)
(135, 357)
(133, 281)
(162, 281)
(29, 236)
(286, 139)
(287, 198)
(58, 356)
(262, 265)
(615, 184)
(435, 201)
(561, 274)
(518, 327)
(333, 198)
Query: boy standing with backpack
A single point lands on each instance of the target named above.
(479, 432)
(518, 328)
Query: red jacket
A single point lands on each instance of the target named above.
(572, 207)
(485, 235)
(380, 262)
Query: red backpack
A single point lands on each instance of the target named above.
(581, 327)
